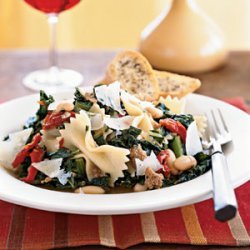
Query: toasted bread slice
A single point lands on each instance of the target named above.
(176, 85)
(134, 73)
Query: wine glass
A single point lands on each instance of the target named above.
(53, 78)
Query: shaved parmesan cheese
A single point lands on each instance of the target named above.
(149, 162)
(193, 143)
(63, 177)
(119, 123)
(51, 168)
(109, 95)
(10, 148)
(96, 121)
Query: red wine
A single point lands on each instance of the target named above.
(52, 6)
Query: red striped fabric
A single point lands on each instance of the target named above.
(6, 211)
(128, 234)
(171, 227)
(243, 197)
(83, 230)
(213, 230)
(39, 227)
(60, 230)
(17, 222)
(26, 228)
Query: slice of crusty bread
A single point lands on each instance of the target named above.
(134, 73)
(176, 85)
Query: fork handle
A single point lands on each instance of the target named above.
(225, 204)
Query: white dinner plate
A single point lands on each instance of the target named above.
(14, 113)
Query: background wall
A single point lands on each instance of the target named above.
(111, 23)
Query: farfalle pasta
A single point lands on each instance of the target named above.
(109, 159)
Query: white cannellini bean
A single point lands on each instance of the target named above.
(90, 190)
(171, 158)
(170, 162)
(64, 105)
(174, 171)
(185, 162)
(139, 188)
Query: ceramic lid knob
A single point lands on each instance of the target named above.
(184, 40)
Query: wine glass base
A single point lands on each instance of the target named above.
(53, 79)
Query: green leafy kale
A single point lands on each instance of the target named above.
(100, 140)
(148, 147)
(62, 153)
(45, 101)
(78, 177)
(185, 120)
(126, 139)
(128, 181)
(36, 122)
(23, 168)
(100, 181)
(80, 102)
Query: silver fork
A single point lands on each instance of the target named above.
(217, 134)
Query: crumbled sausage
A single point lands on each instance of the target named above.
(137, 152)
(152, 179)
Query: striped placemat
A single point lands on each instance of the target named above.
(26, 228)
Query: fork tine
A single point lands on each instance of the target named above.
(218, 129)
(223, 120)
(210, 129)
(206, 134)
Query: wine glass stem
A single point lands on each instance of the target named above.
(52, 20)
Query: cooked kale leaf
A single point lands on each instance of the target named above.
(62, 153)
(23, 168)
(148, 147)
(45, 101)
(126, 139)
(102, 181)
(80, 102)
(128, 181)
(100, 140)
(36, 122)
(185, 120)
